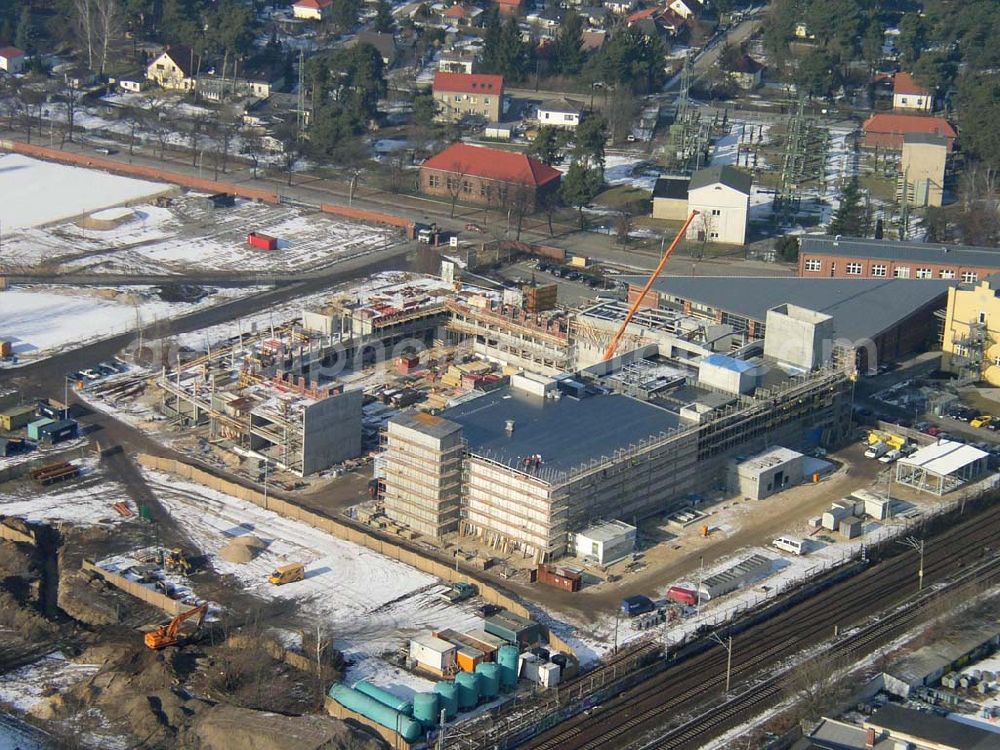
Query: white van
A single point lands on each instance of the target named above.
(788, 544)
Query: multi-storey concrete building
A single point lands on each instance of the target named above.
(459, 95)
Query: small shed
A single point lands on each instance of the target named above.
(851, 527)
(942, 467)
(16, 417)
(434, 654)
(606, 542)
(513, 628)
(670, 197)
(35, 428)
(498, 131)
(766, 473)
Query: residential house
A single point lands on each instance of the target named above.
(922, 169)
(459, 95)
(721, 195)
(887, 131)
(487, 176)
(909, 96)
(670, 197)
(547, 20)
(462, 60)
(560, 113)
(593, 40)
(747, 72)
(802, 31)
(133, 82)
(383, 42)
(461, 15)
(621, 7)
(216, 89)
(510, 7)
(12, 60)
(173, 69)
(656, 21)
(685, 8)
(312, 10)
(596, 17)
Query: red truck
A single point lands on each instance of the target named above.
(262, 241)
(682, 595)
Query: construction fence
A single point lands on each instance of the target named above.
(171, 606)
(371, 217)
(345, 532)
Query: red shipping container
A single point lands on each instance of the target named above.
(262, 241)
(566, 581)
(682, 595)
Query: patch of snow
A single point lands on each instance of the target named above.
(37, 192)
(27, 687)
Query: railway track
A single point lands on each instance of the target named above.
(691, 684)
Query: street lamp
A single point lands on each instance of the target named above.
(728, 645)
(918, 545)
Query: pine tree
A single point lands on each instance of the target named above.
(25, 37)
(580, 186)
(383, 17)
(546, 145)
(569, 44)
(850, 215)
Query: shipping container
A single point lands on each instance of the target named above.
(17, 417)
(52, 411)
(433, 654)
(513, 628)
(5, 349)
(636, 605)
(35, 428)
(682, 595)
(560, 578)
(56, 432)
(469, 658)
(262, 241)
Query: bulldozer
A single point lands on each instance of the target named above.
(170, 635)
(175, 561)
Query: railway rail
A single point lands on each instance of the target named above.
(693, 683)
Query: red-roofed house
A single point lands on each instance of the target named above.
(487, 176)
(459, 95)
(312, 10)
(510, 7)
(888, 130)
(656, 21)
(908, 95)
(11, 59)
(462, 15)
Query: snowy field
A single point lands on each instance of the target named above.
(27, 687)
(369, 603)
(38, 192)
(190, 237)
(42, 320)
(85, 501)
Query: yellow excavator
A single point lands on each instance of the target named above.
(170, 635)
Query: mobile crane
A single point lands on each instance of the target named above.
(613, 346)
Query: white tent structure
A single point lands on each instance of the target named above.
(942, 467)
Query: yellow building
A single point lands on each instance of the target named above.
(173, 69)
(971, 342)
(922, 168)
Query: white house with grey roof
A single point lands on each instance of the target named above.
(560, 113)
(721, 195)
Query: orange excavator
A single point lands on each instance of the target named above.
(613, 346)
(169, 635)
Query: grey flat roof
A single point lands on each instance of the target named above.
(565, 432)
(930, 728)
(861, 308)
(426, 423)
(914, 252)
(930, 139)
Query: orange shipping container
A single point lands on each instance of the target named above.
(469, 657)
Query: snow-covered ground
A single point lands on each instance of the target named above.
(369, 603)
(191, 237)
(42, 320)
(27, 687)
(741, 133)
(988, 715)
(80, 502)
(38, 192)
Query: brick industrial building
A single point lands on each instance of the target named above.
(487, 176)
(853, 258)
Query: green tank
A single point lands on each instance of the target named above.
(381, 714)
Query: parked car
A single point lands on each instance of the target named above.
(981, 421)
(890, 457)
(470, 227)
(91, 375)
(877, 451)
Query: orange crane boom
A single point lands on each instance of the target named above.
(613, 346)
(166, 635)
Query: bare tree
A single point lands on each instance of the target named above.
(72, 96)
(157, 119)
(227, 127)
(253, 149)
(85, 23)
(624, 226)
(519, 201)
(135, 117)
(456, 183)
(108, 25)
(819, 686)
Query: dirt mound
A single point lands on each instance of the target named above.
(225, 727)
(83, 600)
(243, 549)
